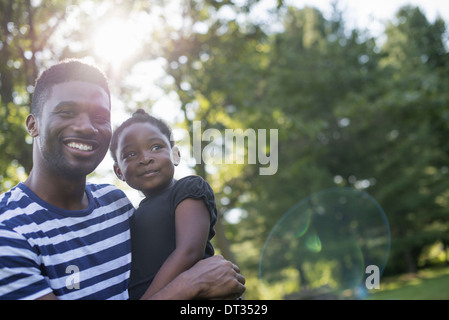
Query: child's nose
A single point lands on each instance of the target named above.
(146, 158)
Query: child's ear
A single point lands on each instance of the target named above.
(118, 172)
(176, 155)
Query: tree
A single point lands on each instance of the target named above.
(412, 105)
(23, 38)
(213, 71)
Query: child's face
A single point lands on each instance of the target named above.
(145, 159)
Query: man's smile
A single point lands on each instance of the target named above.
(80, 146)
(83, 145)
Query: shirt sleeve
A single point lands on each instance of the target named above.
(20, 275)
(196, 187)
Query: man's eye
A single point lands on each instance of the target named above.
(100, 118)
(67, 113)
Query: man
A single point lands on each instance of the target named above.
(65, 238)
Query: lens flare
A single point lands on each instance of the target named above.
(322, 246)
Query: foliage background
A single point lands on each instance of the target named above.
(351, 109)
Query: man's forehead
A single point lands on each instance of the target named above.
(79, 91)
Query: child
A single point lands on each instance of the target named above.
(172, 228)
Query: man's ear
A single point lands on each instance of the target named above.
(32, 125)
(176, 155)
(118, 172)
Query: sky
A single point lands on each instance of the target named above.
(360, 10)
(373, 14)
(369, 14)
(379, 8)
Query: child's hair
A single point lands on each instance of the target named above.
(65, 71)
(140, 116)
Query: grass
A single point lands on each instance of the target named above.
(427, 284)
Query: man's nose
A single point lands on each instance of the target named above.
(84, 124)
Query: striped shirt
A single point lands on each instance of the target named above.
(74, 254)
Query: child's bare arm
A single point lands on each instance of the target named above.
(192, 230)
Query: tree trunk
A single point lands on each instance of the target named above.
(222, 241)
(410, 261)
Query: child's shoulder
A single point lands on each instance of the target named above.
(193, 184)
(191, 179)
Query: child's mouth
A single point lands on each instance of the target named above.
(150, 173)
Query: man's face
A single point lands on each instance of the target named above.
(74, 129)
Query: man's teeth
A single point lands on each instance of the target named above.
(79, 146)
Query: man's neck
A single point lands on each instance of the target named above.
(61, 192)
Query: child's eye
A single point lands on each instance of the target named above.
(129, 155)
(156, 147)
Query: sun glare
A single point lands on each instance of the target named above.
(115, 40)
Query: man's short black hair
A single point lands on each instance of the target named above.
(65, 71)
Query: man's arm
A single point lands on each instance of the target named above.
(20, 274)
(211, 278)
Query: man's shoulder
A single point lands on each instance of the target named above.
(109, 195)
(104, 190)
(12, 194)
(13, 200)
